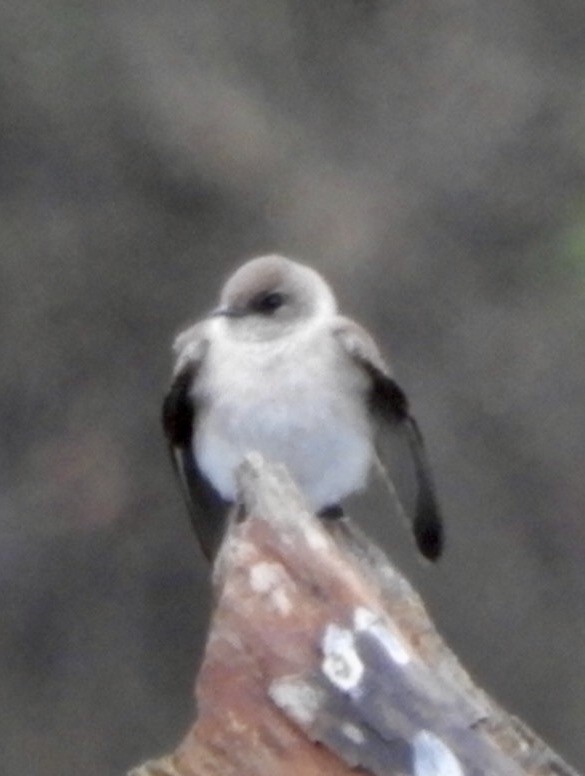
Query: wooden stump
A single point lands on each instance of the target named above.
(321, 660)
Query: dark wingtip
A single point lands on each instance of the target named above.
(428, 526)
(428, 533)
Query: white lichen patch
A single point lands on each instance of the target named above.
(265, 576)
(353, 733)
(299, 700)
(315, 539)
(270, 580)
(365, 621)
(341, 662)
(432, 757)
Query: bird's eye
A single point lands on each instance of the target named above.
(268, 303)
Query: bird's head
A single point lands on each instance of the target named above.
(269, 296)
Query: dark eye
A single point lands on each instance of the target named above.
(268, 303)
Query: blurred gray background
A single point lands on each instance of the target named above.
(429, 159)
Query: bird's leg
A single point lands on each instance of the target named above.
(331, 512)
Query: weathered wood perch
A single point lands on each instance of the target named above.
(322, 660)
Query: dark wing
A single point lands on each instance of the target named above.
(207, 509)
(390, 406)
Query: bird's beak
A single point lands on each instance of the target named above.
(228, 312)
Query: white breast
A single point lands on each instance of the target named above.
(296, 402)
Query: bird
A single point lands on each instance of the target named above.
(276, 369)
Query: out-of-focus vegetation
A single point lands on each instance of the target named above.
(574, 247)
(429, 159)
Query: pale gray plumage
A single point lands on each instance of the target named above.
(275, 369)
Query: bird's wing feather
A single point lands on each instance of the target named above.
(390, 406)
(179, 415)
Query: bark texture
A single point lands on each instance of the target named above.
(321, 659)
